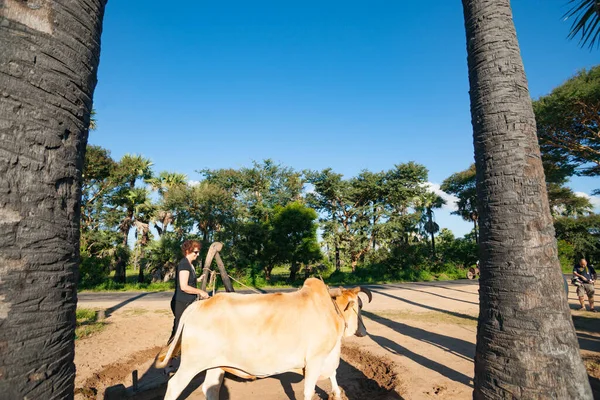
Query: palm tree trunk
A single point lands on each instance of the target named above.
(294, 267)
(526, 342)
(48, 64)
(432, 232)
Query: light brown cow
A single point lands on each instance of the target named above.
(265, 334)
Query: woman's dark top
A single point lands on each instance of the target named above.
(180, 295)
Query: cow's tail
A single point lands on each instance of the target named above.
(167, 352)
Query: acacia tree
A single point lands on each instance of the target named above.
(526, 342)
(97, 185)
(205, 206)
(568, 124)
(254, 194)
(463, 185)
(360, 209)
(48, 65)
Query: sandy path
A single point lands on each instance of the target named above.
(426, 330)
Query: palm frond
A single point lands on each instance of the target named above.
(586, 23)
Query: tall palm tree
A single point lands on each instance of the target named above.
(526, 342)
(143, 214)
(93, 121)
(130, 169)
(427, 202)
(48, 62)
(586, 14)
(162, 183)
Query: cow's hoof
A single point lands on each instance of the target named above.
(333, 396)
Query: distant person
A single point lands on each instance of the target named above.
(186, 291)
(583, 278)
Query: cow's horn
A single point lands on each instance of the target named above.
(335, 292)
(367, 292)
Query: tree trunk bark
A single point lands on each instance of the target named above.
(120, 266)
(476, 231)
(293, 271)
(141, 272)
(121, 262)
(268, 270)
(338, 261)
(526, 342)
(48, 64)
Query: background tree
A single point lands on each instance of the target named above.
(582, 234)
(255, 193)
(463, 185)
(330, 197)
(162, 184)
(523, 308)
(293, 236)
(143, 212)
(126, 197)
(45, 113)
(97, 238)
(426, 203)
(360, 209)
(205, 207)
(568, 124)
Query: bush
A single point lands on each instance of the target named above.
(92, 271)
(566, 256)
(414, 275)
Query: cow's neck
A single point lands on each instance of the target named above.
(340, 314)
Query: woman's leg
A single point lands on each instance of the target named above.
(178, 308)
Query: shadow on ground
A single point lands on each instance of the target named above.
(361, 375)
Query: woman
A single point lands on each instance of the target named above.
(185, 282)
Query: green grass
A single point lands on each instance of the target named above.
(87, 323)
(375, 274)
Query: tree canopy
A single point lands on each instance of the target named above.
(568, 125)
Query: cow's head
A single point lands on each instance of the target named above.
(349, 305)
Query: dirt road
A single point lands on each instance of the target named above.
(421, 345)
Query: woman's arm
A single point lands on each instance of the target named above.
(183, 284)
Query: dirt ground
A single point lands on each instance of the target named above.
(421, 345)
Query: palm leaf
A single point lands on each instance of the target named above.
(587, 21)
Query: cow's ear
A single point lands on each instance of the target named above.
(350, 304)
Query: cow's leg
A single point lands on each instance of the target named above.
(329, 368)
(212, 383)
(312, 371)
(337, 392)
(180, 380)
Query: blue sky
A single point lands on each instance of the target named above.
(349, 85)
